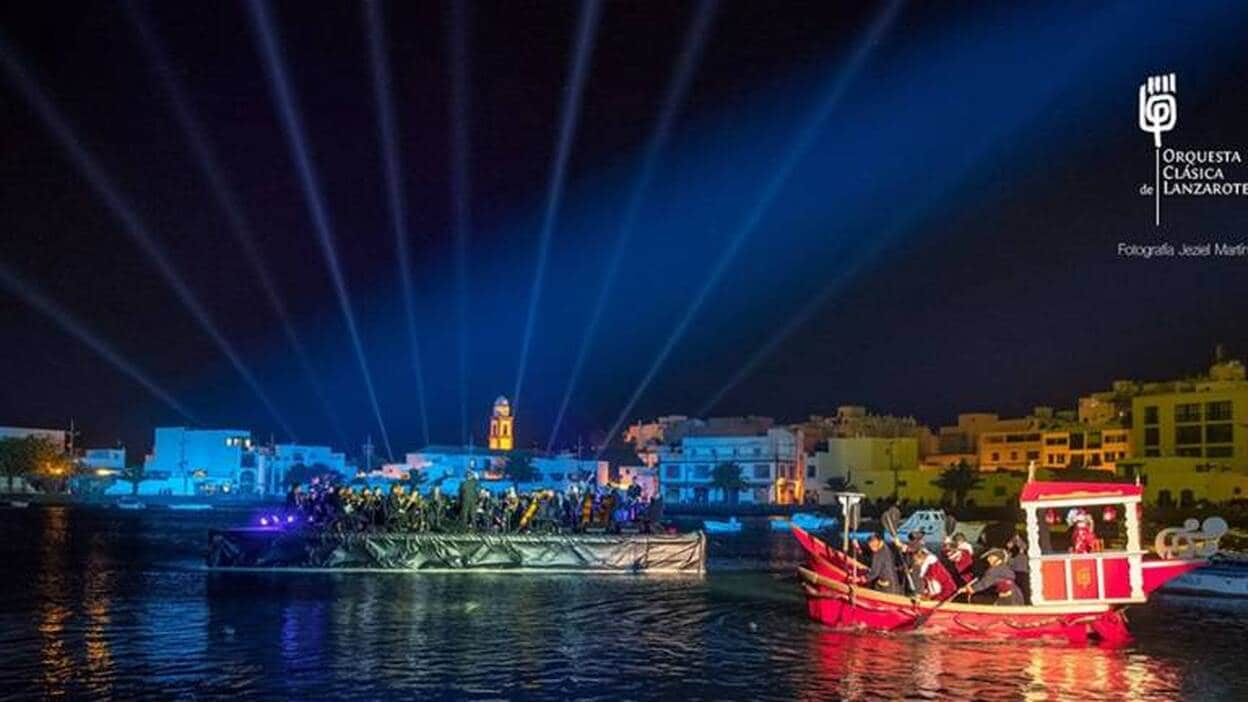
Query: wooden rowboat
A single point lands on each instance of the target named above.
(1075, 596)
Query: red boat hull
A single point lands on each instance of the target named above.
(843, 606)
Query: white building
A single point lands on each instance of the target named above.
(446, 466)
(771, 462)
(188, 461)
(104, 461)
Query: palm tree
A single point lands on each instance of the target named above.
(959, 480)
(727, 477)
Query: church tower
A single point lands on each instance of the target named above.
(502, 437)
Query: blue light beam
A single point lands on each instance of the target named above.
(227, 200)
(283, 96)
(587, 28)
(386, 127)
(673, 98)
(461, 195)
(131, 224)
(840, 82)
(70, 325)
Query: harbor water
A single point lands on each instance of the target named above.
(109, 604)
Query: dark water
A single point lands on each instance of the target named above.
(100, 604)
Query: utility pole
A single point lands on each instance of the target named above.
(368, 454)
(892, 466)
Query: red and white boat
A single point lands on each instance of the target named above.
(1075, 596)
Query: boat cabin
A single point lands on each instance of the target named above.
(1060, 578)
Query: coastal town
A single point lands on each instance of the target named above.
(1184, 440)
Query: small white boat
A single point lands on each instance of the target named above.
(805, 520)
(18, 504)
(1225, 578)
(130, 502)
(190, 506)
(732, 526)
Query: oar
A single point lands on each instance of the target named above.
(922, 618)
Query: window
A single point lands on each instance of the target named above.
(1013, 455)
(671, 472)
(1190, 451)
(1187, 435)
(1219, 451)
(758, 451)
(1061, 458)
(702, 471)
(1218, 433)
(1188, 412)
(693, 451)
(762, 471)
(1076, 441)
(1218, 411)
(996, 456)
(810, 470)
(1055, 441)
(1033, 455)
(1152, 436)
(998, 491)
(1150, 415)
(1152, 452)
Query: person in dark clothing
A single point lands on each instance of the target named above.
(468, 500)
(999, 578)
(883, 573)
(1017, 547)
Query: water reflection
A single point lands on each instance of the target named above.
(859, 665)
(117, 605)
(57, 662)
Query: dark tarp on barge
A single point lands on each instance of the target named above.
(627, 553)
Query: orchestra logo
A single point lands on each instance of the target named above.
(1158, 108)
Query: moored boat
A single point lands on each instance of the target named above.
(1074, 596)
(732, 526)
(190, 506)
(130, 502)
(803, 520)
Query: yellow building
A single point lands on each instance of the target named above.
(1182, 482)
(1055, 444)
(502, 426)
(1201, 418)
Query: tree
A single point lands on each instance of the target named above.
(727, 477)
(520, 468)
(959, 480)
(134, 475)
(31, 455)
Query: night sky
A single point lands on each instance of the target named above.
(918, 211)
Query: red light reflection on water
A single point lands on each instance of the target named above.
(870, 665)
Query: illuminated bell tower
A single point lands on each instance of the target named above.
(501, 426)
